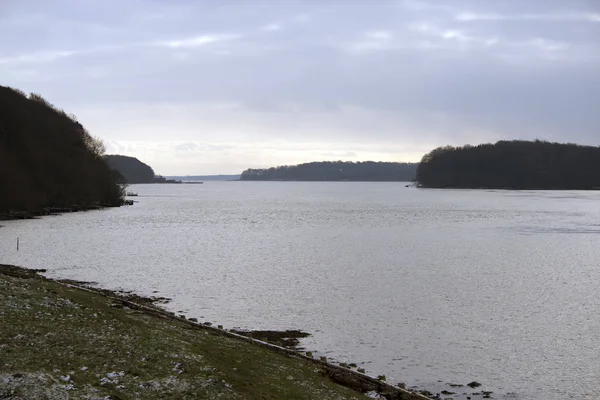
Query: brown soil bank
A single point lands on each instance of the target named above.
(58, 341)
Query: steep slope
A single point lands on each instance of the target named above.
(48, 159)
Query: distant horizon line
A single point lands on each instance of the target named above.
(195, 175)
(307, 162)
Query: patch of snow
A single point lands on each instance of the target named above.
(113, 375)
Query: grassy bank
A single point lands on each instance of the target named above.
(59, 342)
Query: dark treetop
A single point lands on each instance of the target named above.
(48, 159)
(335, 171)
(512, 165)
(132, 169)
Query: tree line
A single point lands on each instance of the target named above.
(132, 169)
(513, 164)
(49, 160)
(335, 171)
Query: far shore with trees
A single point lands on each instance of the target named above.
(515, 164)
(134, 171)
(336, 171)
(50, 163)
(507, 164)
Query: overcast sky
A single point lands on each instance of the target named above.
(217, 86)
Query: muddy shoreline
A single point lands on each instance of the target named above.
(17, 215)
(286, 342)
(150, 305)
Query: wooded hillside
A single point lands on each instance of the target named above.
(48, 159)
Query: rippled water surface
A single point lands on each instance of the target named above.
(423, 286)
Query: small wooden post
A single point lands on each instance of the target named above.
(17, 244)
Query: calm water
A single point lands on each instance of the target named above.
(420, 285)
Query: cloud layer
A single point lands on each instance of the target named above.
(215, 87)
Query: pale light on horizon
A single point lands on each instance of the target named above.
(194, 88)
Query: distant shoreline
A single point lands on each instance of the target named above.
(321, 180)
(507, 188)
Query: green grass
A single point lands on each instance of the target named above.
(58, 342)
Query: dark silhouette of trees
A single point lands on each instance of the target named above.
(512, 165)
(48, 160)
(335, 171)
(132, 169)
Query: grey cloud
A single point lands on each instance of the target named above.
(187, 147)
(451, 71)
(566, 17)
(195, 147)
(342, 154)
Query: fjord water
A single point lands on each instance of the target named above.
(500, 287)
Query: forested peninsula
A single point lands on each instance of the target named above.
(513, 164)
(132, 169)
(48, 160)
(335, 171)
